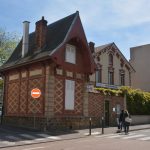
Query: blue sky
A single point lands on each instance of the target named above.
(125, 22)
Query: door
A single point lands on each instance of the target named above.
(106, 113)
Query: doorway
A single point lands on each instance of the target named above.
(106, 113)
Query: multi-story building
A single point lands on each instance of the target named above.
(113, 70)
(139, 59)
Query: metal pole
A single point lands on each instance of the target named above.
(34, 120)
(102, 125)
(90, 125)
(34, 114)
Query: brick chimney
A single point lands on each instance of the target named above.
(41, 33)
(91, 46)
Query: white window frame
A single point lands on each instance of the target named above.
(70, 55)
(122, 79)
(98, 76)
(110, 78)
(69, 94)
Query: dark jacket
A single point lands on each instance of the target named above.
(125, 116)
(121, 117)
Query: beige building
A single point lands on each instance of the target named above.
(113, 70)
(140, 60)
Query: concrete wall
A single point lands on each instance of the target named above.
(141, 62)
(140, 119)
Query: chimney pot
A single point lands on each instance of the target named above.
(25, 41)
(91, 46)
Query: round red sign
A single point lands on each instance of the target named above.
(36, 93)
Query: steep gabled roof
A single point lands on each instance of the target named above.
(107, 46)
(99, 48)
(56, 34)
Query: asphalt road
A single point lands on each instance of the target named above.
(139, 140)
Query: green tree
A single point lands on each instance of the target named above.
(8, 42)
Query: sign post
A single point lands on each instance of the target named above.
(35, 93)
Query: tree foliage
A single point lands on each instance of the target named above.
(8, 41)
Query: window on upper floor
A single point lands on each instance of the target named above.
(122, 79)
(110, 78)
(70, 55)
(110, 59)
(98, 76)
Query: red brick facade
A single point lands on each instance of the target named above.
(97, 106)
(18, 101)
(49, 75)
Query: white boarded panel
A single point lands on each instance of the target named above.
(69, 94)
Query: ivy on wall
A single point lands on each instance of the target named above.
(138, 101)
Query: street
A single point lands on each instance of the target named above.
(91, 143)
(134, 140)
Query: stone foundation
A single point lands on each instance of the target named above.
(58, 123)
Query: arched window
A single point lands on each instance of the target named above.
(111, 59)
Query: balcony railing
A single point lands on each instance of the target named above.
(103, 85)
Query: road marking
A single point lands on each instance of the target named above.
(13, 137)
(28, 136)
(54, 137)
(27, 141)
(144, 139)
(39, 139)
(101, 136)
(119, 135)
(133, 136)
(49, 137)
(93, 133)
(114, 136)
(33, 148)
(8, 143)
(146, 131)
(43, 135)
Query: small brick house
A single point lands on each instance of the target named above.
(56, 59)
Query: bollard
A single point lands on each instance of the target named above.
(102, 125)
(90, 125)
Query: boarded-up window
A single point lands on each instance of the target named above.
(70, 54)
(69, 94)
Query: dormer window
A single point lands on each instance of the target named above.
(70, 54)
(110, 59)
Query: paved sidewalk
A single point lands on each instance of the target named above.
(110, 130)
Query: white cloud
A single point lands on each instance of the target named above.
(101, 14)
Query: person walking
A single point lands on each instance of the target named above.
(121, 122)
(127, 121)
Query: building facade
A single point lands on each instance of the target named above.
(57, 60)
(139, 59)
(113, 70)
